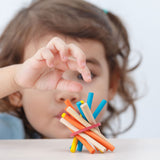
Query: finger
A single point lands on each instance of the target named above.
(85, 72)
(58, 45)
(68, 85)
(45, 54)
(78, 54)
(49, 80)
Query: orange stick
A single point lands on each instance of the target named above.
(68, 103)
(85, 143)
(90, 133)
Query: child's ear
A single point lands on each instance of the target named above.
(113, 87)
(16, 99)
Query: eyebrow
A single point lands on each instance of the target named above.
(93, 61)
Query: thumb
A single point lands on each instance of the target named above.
(69, 85)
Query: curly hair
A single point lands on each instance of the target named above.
(76, 19)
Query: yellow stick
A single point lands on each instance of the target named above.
(74, 145)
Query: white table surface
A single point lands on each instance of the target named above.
(57, 149)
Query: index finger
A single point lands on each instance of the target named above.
(78, 54)
(86, 74)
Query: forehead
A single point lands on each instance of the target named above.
(91, 48)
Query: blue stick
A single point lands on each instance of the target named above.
(89, 99)
(80, 110)
(79, 146)
(99, 108)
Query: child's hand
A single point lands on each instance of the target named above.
(45, 69)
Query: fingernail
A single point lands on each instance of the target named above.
(89, 78)
(83, 64)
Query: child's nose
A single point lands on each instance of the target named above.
(73, 97)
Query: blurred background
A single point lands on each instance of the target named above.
(141, 18)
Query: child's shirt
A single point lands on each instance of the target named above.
(11, 127)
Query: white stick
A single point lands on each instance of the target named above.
(87, 112)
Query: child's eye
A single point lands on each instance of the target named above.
(79, 76)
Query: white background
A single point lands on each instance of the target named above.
(142, 19)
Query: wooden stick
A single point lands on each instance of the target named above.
(85, 143)
(85, 136)
(99, 108)
(74, 145)
(68, 103)
(90, 99)
(87, 112)
(74, 114)
(90, 133)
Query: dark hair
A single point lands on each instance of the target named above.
(76, 19)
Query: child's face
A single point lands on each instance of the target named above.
(42, 108)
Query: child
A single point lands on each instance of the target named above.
(56, 50)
